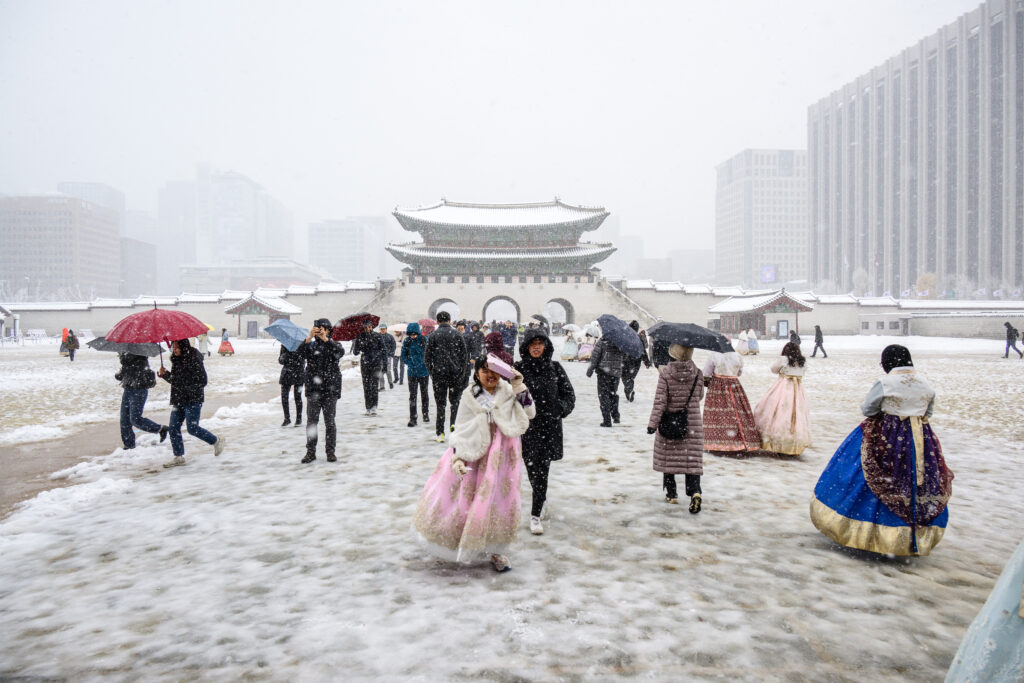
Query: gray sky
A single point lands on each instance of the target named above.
(347, 108)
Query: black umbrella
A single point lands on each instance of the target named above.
(621, 335)
(103, 344)
(538, 316)
(688, 334)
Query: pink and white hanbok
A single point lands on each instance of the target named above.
(782, 416)
(469, 518)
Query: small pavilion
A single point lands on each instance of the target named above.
(257, 306)
(764, 313)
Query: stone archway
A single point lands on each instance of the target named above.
(495, 299)
(444, 304)
(570, 313)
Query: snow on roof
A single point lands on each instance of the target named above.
(835, 298)
(149, 300)
(954, 305)
(697, 289)
(191, 298)
(113, 303)
(331, 287)
(302, 289)
(639, 284)
(501, 215)
(577, 251)
(877, 301)
(273, 303)
(668, 287)
(743, 304)
(360, 285)
(49, 306)
(727, 291)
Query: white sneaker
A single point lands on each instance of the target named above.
(218, 445)
(439, 438)
(177, 461)
(536, 528)
(373, 412)
(367, 413)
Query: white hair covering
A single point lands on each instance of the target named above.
(680, 352)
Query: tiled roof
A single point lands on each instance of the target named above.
(501, 215)
(419, 251)
(273, 303)
(744, 304)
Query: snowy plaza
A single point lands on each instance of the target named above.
(252, 566)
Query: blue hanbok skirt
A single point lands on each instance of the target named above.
(870, 496)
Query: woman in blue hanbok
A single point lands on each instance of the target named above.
(886, 488)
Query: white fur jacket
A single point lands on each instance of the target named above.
(472, 435)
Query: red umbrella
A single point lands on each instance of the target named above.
(352, 326)
(155, 326)
(427, 326)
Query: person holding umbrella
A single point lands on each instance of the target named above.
(372, 352)
(323, 387)
(187, 378)
(631, 366)
(617, 340)
(676, 422)
(136, 380)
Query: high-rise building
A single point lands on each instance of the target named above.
(917, 167)
(58, 247)
(100, 194)
(351, 248)
(761, 218)
(138, 267)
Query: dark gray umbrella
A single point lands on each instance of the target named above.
(103, 344)
(688, 334)
(621, 335)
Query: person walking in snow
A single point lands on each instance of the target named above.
(555, 399)
(782, 415)
(818, 340)
(728, 420)
(293, 376)
(631, 366)
(470, 506)
(203, 344)
(1011, 340)
(414, 350)
(225, 348)
(389, 352)
(187, 378)
(446, 358)
(606, 361)
(794, 338)
(509, 334)
(680, 388)
(323, 387)
(71, 344)
(398, 367)
(136, 380)
(369, 346)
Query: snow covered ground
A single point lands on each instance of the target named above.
(253, 566)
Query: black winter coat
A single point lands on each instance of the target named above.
(294, 370)
(390, 344)
(553, 397)
(475, 344)
(135, 372)
(446, 356)
(371, 349)
(1011, 334)
(187, 377)
(322, 373)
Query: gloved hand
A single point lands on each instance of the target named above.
(651, 430)
(590, 372)
(459, 467)
(518, 386)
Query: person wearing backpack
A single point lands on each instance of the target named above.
(136, 379)
(677, 426)
(1011, 340)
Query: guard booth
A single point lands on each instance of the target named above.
(256, 312)
(772, 315)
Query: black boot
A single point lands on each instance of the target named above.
(310, 457)
(287, 421)
(412, 421)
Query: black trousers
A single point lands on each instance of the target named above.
(446, 389)
(537, 470)
(817, 345)
(371, 388)
(317, 403)
(1009, 345)
(607, 385)
(298, 401)
(669, 484)
(419, 384)
(630, 369)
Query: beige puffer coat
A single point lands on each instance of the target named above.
(686, 455)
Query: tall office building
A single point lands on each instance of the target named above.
(761, 218)
(58, 247)
(917, 167)
(351, 248)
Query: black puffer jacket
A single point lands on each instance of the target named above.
(187, 376)
(475, 343)
(294, 370)
(446, 354)
(322, 373)
(135, 372)
(371, 349)
(553, 395)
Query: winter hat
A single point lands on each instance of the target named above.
(412, 328)
(493, 344)
(896, 356)
(680, 352)
(323, 322)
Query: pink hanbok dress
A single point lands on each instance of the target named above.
(467, 519)
(783, 416)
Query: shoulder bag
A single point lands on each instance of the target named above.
(674, 425)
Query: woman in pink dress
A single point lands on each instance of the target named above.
(470, 506)
(782, 416)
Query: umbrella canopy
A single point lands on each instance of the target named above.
(621, 335)
(104, 344)
(288, 333)
(427, 326)
(571, 328)
(688, 334)
(155, 326)
(538, 316)
(351, 327)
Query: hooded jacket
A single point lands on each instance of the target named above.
(494, 343)
(553, 395)
(135, 372)
(414, 352)
(187, 376)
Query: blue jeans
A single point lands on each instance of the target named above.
(132, 403)
(190, 416)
